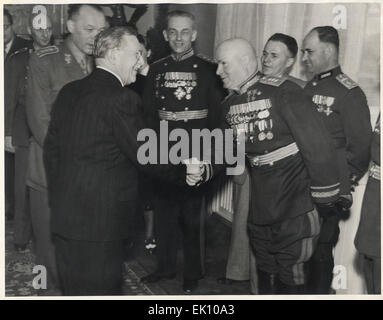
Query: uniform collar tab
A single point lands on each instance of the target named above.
(248, 83)
(329, 73)
(183, 56)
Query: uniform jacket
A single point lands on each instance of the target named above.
(367, 239)
(90, 155)
(50, 69)
(18, 44)
(185, 84)
(15, 74)
(273, 113)
(343, 106)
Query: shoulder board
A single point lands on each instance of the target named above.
(161, 60)
(47, 51)
(21, 51)
(206, 58)
(346, 81)
(272, 81)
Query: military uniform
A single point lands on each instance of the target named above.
(185, 92)
(50, 69)
(18, 45)
(343, 106)
(290, 152)
(367, 239)
(16, 126)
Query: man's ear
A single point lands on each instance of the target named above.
(329, 50)
(70, 26)
(111, 56)
(244, 60)
(290, 62)
(165, 35)
(194, 35)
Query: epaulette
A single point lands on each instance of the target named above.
(206, 58)
(21, 50)
(47, 51)
(160, 60)
(272, 81)
(346, 81)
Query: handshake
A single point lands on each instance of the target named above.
(195, 171)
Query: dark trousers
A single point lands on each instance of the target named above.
(284, 248)
(44, 248)
(371, 270)
(9, 163)
(22, 224)
(89, 267)
(320, 266)
(182, 209)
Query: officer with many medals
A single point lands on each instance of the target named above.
(183, 90)
(343, 106)
(290, 155)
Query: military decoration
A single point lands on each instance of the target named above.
(183, 83)
(68, 58)
(253, 119)
(324, 104)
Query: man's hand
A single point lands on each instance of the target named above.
(8, 146)
(344, 202)
(194, 171)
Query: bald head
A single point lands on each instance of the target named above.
(236, 62)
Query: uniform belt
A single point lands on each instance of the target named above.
(276, 155)
(374, 171)
(183, 115)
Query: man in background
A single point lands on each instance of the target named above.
(12, 45)
(50, 68)
(183, 90)
(279, 56)
(14, 99)
(342, 105)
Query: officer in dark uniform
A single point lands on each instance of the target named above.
(50, 68)
(183, 90)
(15, 75)
(12, 45)
(289, 151)
(342, 104)
(367, 239)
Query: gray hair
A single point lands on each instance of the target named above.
(109, 39)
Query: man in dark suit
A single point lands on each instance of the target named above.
(51, 68)
(90, 156)
(12, 45)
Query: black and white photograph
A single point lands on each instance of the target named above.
(209, 149)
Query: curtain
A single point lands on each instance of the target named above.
(359, 57)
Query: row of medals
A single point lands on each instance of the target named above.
(246, 123)
(323, 103)
(184, 88)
